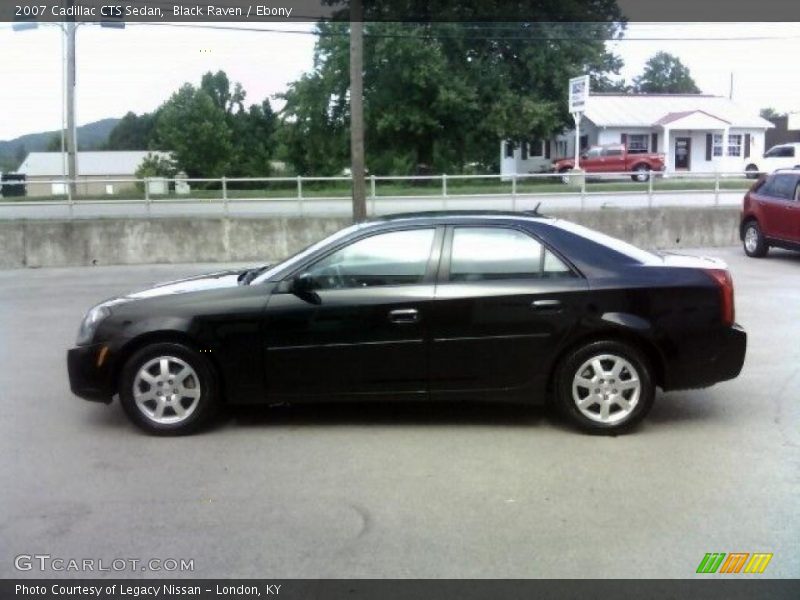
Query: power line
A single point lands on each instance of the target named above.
(433, 36)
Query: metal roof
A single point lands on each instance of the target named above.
(53, 164)
(648, 110)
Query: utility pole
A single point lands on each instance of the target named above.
(72, 143)
(357, 111)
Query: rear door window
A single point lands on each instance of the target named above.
(494, 253)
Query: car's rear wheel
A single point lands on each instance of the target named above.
(755, 246)
(605, 387)
(168, 389)
(564, 176)
(641, 173)
(751, 171)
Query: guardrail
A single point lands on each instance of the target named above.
(305, 195)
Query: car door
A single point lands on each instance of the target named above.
(503, 305)
(777, 207)
(794, 214)
(614, 159)
(592, 160)
(359, 328)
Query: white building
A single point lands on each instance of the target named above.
(695, 132)
(44, 170)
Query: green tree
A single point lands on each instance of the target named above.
(54, 143)
(155, 165)
(254, 136)
(133, 132)
(194, 128)
(218, 87)
(20, 154)
(443, 94)
(769, 113)
(664, 73)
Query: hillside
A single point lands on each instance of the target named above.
(90, 137)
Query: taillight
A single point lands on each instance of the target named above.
(725, 283)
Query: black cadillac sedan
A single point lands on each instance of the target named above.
(431, 306)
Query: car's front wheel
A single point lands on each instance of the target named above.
(605, 387)
(755, 246)
(168, 389)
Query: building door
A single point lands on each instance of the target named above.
(683, 153)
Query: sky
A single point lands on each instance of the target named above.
(136, 69)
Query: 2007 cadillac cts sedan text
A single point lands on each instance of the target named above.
(432, 306)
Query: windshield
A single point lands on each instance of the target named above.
(305, 252)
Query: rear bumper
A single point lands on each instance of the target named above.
(719, 358)
(90, 377)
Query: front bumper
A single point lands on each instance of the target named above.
(90, 372)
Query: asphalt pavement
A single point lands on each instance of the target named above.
(398, 490)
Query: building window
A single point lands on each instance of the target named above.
(561, 148)
(717, 144)
(509, 149)
(637, 142)
(536, 148)
(524, 150)
(735, 145)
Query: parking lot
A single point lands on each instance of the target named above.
(399, 490)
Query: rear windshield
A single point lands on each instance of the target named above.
(617, 245)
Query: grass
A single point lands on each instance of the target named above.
(388, 188)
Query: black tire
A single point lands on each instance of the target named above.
(641, 173)
(751, 171)
(203, 378)
(753, 241)
(619, 420)
(564, 175)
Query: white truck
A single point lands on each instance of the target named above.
(782, 156)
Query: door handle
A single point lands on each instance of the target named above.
(549, 304)
(404, 315)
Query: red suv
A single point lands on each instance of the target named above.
(771, 213)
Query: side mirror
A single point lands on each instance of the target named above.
(302, 284)
(584, 156)
(303, 287)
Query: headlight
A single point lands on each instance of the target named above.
(90, 323)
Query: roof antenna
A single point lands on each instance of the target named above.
(536, 208)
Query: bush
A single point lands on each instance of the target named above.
(155, 165)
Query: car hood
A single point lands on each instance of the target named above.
(210, 281)
(220, 279)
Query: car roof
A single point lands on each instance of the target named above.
(462, 215)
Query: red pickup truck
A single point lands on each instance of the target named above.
(614, 158)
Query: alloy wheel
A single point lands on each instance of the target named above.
(751, 239)
(166, 390)
(606, 388)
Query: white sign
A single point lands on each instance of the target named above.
(578, 92)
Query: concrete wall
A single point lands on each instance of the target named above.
(42, 243)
